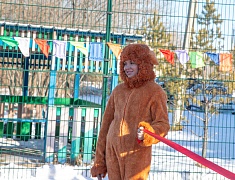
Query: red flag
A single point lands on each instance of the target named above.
(170, 56)
(43, 46)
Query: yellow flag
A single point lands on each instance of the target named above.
(116, 49)
(80, 46)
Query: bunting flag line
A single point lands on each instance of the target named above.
(80, 46)
(9, 41)
(23, 45)
(96, 51)
(168, 55)
(43, 46)
(116, 49)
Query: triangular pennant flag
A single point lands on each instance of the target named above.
(214, 57)
(59, 49)
(116, 49)
(196, 59)
(96, 51)
(80, 46)
(23, 45)
(225, 62)
(182, 55)
(9, 41)
(168, 55)
(43, 46)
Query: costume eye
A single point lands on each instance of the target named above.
(132, 62)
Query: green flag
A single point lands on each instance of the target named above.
(196, 59)
(9, 41)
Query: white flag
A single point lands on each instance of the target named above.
(23, 45)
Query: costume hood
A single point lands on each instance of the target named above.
(144, 58)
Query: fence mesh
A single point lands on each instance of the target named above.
(51, 105)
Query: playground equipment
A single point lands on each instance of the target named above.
(50, 97)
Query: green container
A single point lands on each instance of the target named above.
(57, 129)
(10, 129)
(1, 129)
(38, 131)
(70, 134)
(24, 131)
(18, 129)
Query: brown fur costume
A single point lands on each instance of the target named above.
(139, 101)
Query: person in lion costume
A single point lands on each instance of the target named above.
(123, 150)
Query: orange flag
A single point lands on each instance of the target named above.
(168, 55)
(225, 63)
(43, 46)
(116, 49)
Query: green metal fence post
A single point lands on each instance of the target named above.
(106, 55)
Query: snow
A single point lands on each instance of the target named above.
(167, 163)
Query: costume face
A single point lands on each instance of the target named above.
(144, 59)
(130, 68)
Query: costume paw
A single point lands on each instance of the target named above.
(98, 170)
(148, 139)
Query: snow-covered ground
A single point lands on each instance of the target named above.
(167, 163)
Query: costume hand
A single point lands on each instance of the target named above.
(148, 140)
(100, 176)
(140, 133)
(98, 170)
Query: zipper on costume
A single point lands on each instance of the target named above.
(121, 124)
(124, 112)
